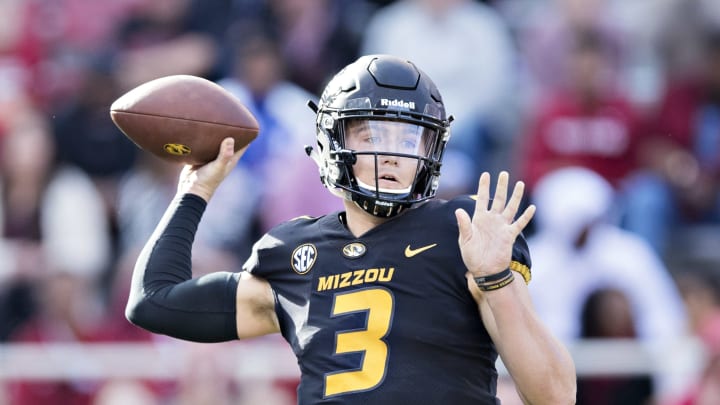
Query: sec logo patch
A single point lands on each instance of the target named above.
(303, 258)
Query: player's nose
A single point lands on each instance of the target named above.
(391, 160)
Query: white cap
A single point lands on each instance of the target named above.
(571, 198)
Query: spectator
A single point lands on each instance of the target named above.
(85, 138)
(607, 314)
(577, 248)
(680, 42)
(584, 122)
(67, 312)
(683, 154)
(547, 36)
(318, 37)
(155, 40)
(590, 123)
(700, 287)
(49, 39)
(48, 211)
(260, 82)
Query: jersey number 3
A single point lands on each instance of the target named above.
(378, 303)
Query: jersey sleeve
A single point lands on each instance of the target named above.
(520, 261)
(253, 263)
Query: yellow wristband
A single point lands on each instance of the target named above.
(494, 281)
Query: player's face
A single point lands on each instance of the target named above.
(382, 139)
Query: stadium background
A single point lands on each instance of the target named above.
(77, 198)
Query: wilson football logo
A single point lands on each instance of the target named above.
(303, 258)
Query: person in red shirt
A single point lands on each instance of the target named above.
(590, 123)
(586, 123)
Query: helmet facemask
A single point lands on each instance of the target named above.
(385, 162)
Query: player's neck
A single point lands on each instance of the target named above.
(357, 221)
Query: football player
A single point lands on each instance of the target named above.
(398, 299)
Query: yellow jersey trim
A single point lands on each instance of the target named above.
(522, 269)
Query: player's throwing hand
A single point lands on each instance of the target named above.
(486, 240)
(203, 180)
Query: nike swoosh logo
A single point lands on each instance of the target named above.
(412, 252)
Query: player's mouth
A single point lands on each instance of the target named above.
(387, 183)
(388, 180)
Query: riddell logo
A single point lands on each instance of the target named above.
(397, 103)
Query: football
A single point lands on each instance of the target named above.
(183, 118)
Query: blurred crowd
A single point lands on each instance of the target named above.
(609, 110)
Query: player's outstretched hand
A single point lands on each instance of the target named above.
(486, 240)
(203, 180)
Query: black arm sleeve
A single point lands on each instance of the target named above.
(165, 299)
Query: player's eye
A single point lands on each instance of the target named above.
(409, 145)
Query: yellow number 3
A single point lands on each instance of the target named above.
(378, 302)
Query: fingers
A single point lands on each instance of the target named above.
(464, 225)
(227, 155)
(483, 193)
(525, 218)
(224, 156)
(227, 149)
(514, 203)
(498, 203)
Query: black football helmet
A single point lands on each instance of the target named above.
(386, 90)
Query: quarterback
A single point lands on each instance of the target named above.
(400, 298)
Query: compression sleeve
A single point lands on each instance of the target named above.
(165, 299)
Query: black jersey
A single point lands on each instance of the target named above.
(385, 318)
